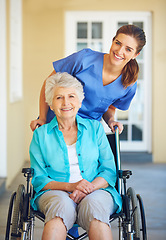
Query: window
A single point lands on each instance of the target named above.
(96, 30)
(89, 35)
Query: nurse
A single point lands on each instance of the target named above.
(109, 79)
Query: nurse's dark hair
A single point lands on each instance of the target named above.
(131, 69)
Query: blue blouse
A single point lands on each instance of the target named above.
(87, 66)
(49, 156)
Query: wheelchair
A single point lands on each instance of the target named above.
(131, 219)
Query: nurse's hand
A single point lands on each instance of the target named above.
(35, 123)
(112, 125)
(109, 119)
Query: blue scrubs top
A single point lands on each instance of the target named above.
(87, 66)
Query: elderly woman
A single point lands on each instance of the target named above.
(74, 170)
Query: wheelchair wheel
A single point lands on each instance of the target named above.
(17, 220)
(134, 213)
(142, 220)
(8, 225)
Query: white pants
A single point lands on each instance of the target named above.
(98, 204)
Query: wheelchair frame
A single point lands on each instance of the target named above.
(131, 219)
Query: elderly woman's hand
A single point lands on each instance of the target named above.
(77, 196)
(80, 190)
(84, 186)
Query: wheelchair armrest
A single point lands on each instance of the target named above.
(28, 172)
(124, 174)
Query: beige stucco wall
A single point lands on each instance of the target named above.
(15, 124)
(159, 81)
(43, 42)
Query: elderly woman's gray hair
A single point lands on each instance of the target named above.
(62, 80)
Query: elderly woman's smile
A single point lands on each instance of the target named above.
(65, 102)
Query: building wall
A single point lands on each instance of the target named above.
(15, 122)
(159, 83)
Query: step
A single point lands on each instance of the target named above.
(136, 157)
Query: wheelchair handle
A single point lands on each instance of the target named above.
(116, 129)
